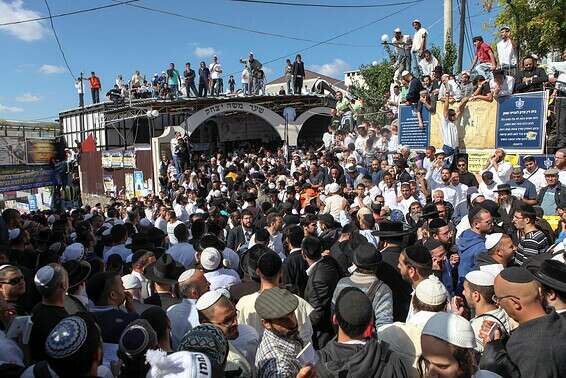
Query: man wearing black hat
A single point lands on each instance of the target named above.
(537, 347)
(163, 273)
(76, 299)
(353, 353)
(324, 274)
(366, 263)
(552, 277)
(508, 204)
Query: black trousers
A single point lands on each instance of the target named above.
(202, 89)
(297, 85)
(95, 95)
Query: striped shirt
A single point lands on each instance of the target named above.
(532, 244)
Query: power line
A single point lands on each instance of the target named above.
(67, 13)
(285, 3)
(58, 42)
(337, 36)
(240, 28)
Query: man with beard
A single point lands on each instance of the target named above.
(552, 277)
(466, 177)
(354, 353)
(240, 236)
(499, 250)
(508, 204)
(415, 265)
(280, 344)
(531, 78)
(523, 189)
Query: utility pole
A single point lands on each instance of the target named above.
(461, 35)
(447, 20)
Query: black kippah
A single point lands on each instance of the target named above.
(354, 307)
(437, 223)
(418, 256)
(269, 264)
(516, 274)
(262, 235)
(432, 244)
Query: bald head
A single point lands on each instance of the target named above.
(518, 294)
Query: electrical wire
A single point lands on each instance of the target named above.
(58, 42)
(68, 13)
(240, 28)
(336, 36)
(285, 3)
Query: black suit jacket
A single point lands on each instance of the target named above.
(294, 273)
(318, 292)
(236, 238)
(388, 272)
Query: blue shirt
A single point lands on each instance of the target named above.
(548, 203)
(525, 189)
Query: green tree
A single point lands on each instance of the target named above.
(377, 81)
(446, 58)
(539, 26)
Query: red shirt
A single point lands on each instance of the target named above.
(94, 82)
(482, 53)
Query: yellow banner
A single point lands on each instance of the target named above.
(476, 125)
(477, 159)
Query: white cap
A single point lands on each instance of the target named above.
(397, 30)
(451, 328)
(208, 299)
(431, 291)
(480, 278)
(44, 276)
(493, 269)
(210, 258)
(333, 188)
(75, 251)
(187, 274)
(177, 365)
(87, 216)
(491, 240)
(131, 282)
(405, 73)
(416, 20)
(51, 219)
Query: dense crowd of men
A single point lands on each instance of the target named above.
(357, 257)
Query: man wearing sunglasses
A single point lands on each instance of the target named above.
(12, 287)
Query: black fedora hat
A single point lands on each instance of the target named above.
(366, 256)
(552, 273)
(78, 271)
(164, 270)
(391, 230)
(503, 188)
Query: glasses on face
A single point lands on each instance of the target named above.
(420, 173)
(497, 299)
(461, 165)
(13, 281)
(230, 321)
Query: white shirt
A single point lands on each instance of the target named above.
(506, 53)
(372, 239)
(502, 174)
(215, 70)
(562, 177)
(245, 76)
(327, 139)
(487, 191)
(119, 249)
(181, 213)
(506, 86)
(183, 253)
(170, 231)
(79, 86)
(428, 67)
(449, 133)
(389, 195)
(418, 40)
(183, 317)
(276, 244)
(161, 223)
(222, 278)
(536, 178)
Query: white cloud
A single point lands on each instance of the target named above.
(28, 97)
(10, 109)
(337, 67)
(14, 11)
(49, 69)
(203, 52)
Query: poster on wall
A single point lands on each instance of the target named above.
(129, 185)
(12, 151)
(109, 188)
(129, 159)
(117, 159)
(22, 178)
(411, 134)
(106, 159)
(520, 122)
(40, 151)
(138, 183)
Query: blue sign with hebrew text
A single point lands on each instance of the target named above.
(520, 122)
(410, 133)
